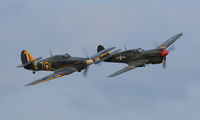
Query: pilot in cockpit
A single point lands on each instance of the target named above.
(67, 55)
(140, 50)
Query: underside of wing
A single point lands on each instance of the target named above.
(56, 74)
(132, 65)
(122, 71)
(170, 41)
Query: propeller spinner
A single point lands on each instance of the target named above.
(164, 53)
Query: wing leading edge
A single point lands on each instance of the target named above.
(57, 74)
(122, 71)
(170, 41)
(131, 66)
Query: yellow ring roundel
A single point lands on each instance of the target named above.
(47, 66)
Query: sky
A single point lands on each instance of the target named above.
(70, 26)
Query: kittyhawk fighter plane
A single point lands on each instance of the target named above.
(139, 57)
(60, 64)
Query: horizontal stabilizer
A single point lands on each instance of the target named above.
(28, 63)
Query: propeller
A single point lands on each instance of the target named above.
(164, 65)
(85, 72)
(85, 52)
(50, 53)
(125, 48)
(164, 53)
(88, 62)
(171, 48)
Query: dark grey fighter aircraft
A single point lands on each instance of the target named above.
(60, 64)
(139, 57)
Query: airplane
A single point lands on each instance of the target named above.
(140, 58)
(60, 64)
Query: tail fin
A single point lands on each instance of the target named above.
(27, 60)
(26, 57)
(108, 55)
(100, 48)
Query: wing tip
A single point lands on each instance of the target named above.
(110, 76)
(29, 84)
(180, 34)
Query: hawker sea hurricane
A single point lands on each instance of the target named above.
(139, 57)
(60, 64)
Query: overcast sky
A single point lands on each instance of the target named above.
(150, 93)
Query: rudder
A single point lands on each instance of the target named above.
(26, 57)
(100, 48)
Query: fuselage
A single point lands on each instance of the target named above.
(58, 62)
(150, 56)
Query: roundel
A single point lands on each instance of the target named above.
(47, 66)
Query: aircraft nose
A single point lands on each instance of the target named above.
(164, 52)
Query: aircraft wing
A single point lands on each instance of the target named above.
(170, 41)
(122, 71)
(131, 66)
(102, 53)
(56, 74)
(108, 56)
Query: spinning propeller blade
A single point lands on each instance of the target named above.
(164, 65)
(171, 48)
(85, 72)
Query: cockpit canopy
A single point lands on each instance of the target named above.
(137, 51)
(66, 55)
(140, 50)
(134, 51)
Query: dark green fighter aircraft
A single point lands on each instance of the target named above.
(139, 57)
(60, 64)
